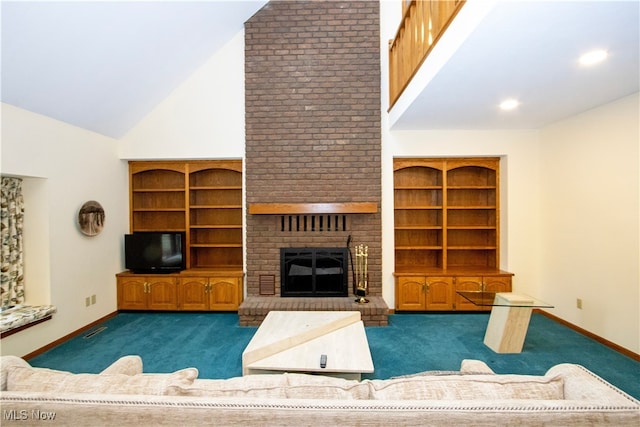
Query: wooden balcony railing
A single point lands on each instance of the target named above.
(423, 22)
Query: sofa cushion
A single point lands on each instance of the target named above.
(301, 386)
(282, 386)
(428, 374)
(127, 365)
(42, 379)
(264, 385)
(469, 387)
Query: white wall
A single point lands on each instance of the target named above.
(590, 233)
(202, 118)
(64, 167)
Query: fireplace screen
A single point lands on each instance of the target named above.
(313, 272)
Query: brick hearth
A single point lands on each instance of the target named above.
(254, 309)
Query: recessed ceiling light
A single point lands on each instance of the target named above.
(593, 57)
(509, 104)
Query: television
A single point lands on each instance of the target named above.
(154, 252)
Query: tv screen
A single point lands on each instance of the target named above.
(154, 252)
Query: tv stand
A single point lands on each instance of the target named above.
(187, 290)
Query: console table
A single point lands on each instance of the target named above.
(509, 319)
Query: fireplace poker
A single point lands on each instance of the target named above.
(353, 267)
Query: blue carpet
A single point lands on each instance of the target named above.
(213, 343)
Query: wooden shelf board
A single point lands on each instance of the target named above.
(162, 230)
(214, 227)
(471, 227)
(421, 227)
(215, 207)
(415, 247)
(419, 187)
(158, 190)
(471, 248)
(471, 187)
(417, 207)
(159, 210)
(213, 187)
(216, 245)
(312, 208)
(493, 207)
(478, 270)
(235, 270)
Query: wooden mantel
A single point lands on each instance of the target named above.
(312, 208)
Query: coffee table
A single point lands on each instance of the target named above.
(293, 341)
(509, 319)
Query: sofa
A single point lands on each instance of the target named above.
(123, 395)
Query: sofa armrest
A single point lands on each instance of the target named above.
(582, 384)
(5, 363)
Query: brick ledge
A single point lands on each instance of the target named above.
(254, 308)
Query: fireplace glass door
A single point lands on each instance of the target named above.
(313, 272)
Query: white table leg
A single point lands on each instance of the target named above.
(507, 329)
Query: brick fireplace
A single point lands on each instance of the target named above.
(313, 140)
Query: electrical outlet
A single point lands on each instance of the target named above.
(93, 299)
(579, 303)
(87, 301)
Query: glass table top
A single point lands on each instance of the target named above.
(502, 299)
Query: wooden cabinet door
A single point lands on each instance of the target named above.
(162, 294)
(472, 284)
(497, 283)
(132, 293)
(223, 293)
(410, 293)
(439, 293)
(193, 293)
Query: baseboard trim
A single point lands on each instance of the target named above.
(68, 336)
(591, 335)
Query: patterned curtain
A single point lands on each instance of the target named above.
(11, 218)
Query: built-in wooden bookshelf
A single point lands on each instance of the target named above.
(203, 200)
(215, 215)
(447, 218)
(157, 196)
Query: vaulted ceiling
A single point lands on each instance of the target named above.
(105, 65)
(527, 50)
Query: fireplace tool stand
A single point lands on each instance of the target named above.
(362, 254)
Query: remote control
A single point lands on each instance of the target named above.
(323, 361)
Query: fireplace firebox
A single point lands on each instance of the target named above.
(314, 272)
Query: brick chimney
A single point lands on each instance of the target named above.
(313, 135)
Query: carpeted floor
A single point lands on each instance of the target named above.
(213, 342)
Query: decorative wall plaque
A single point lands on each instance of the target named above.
(91, 218)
